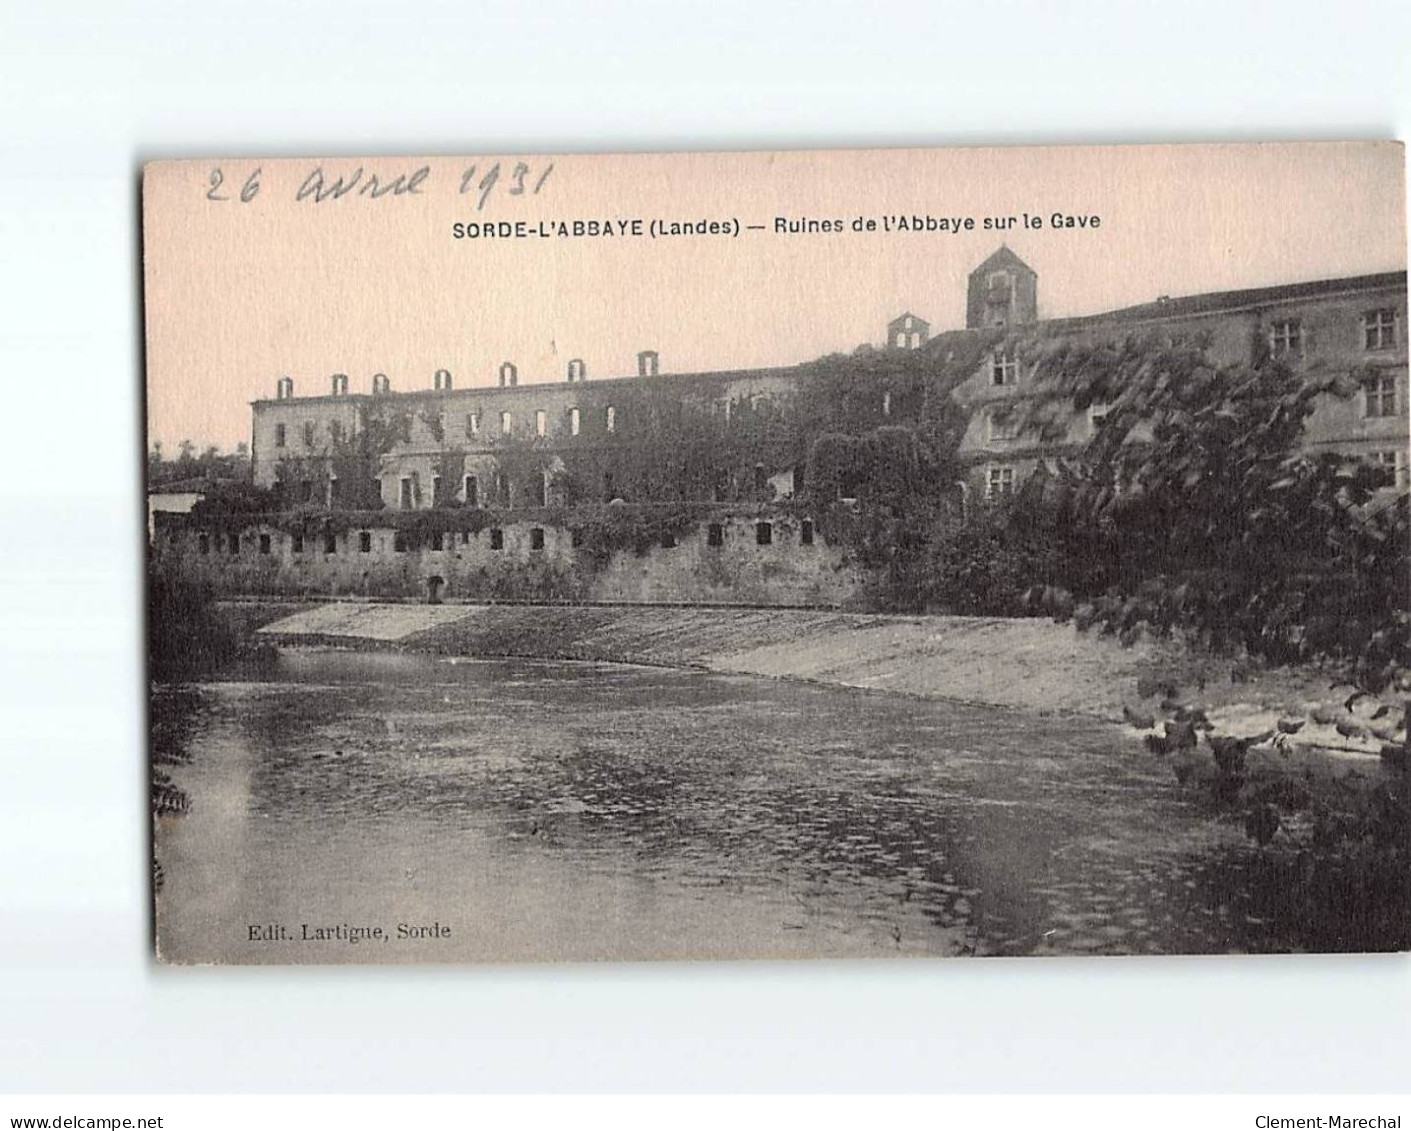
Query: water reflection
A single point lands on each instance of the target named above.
(569, 811)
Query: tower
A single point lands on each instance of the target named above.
(1003, 291)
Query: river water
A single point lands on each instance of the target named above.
(536, 811)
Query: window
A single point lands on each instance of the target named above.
(502, 490)
(1380, 391)
(472, 491)
(608, 492)
(233, 544)
(374, 486)
(1004, 368)
(575, 422)
(472, 424)
(435, 489)
(330, 542)
(1379, 329)
(576, 537)
(998, 283)
(497, 538)
(536, 538)
(306, 490)
(308, 433)
(543, 499)
(715, 535)
(404, 500)
(763, 533)
(1286, 338)
(280, 435)
(506, 423)
(611, 418)
(541, 422)
(1000, 481)
(264, 544)
(1097, 415)
(1003, 424)
(335, 431)
(438, 541)
(334, 490)
(364, 541)
(399, 542)
(204, 542)
(806, 532)
(887, 404)
(296, 542)
(1395, 462)
(761, 477)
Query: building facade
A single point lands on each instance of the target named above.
(508, 443)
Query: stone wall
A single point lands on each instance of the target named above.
(752, 557)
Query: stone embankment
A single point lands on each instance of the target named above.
(1028, 664)
(1031, 664)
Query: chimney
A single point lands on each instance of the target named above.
(340, 384)
(284, 389)
(577, 371)
(648, 363)
(381, 386)
(509, 375)
(441, 381)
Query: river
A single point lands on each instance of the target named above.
(542, 811)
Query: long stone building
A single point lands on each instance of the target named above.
(514, 489)
(451, 442)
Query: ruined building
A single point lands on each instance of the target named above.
(531, 452)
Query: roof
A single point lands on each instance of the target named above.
(1215, 302)
(1003, 258)
(904, 315)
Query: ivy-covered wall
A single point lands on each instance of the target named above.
(749, 556)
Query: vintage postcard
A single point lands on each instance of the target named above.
(779, 555)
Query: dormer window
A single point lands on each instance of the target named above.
(1379, 329)
(1004, 368)
(1286, 338)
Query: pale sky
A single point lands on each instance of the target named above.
(239, 293)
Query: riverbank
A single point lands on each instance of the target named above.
(1030, 663)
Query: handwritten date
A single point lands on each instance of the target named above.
(319, 185)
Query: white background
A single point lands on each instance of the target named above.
(88, 91)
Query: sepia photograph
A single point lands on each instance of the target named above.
(779, 555)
